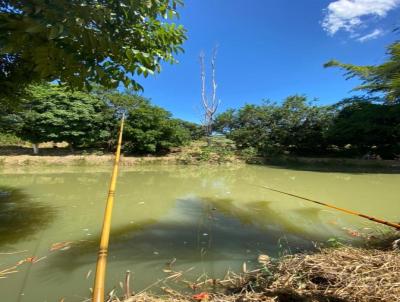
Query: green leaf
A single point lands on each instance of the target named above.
(91, 34)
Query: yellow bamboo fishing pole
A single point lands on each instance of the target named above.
(381, 221)
(98, 290)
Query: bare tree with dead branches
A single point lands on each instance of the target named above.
(209, 104)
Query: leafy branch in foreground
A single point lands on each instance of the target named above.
(79, 43)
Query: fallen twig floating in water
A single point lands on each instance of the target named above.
(7, 271)
(13, 253)
(13, 269)
(60, 246)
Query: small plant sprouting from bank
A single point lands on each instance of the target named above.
(218, 150)
(335, 242)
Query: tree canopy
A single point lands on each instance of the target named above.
(151, 129)
(367, 126)
(90, 120)
(356, 126)
(79, 43)
(383, 78)
(295, 126)
(53, 113)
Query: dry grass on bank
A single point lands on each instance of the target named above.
(346, 273)
(335, 275)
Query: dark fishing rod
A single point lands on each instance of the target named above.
(381, 221)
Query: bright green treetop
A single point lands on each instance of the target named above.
(151, 129)
(55, 114)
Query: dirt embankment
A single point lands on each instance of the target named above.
(196, 153)
(192, 154)
(313, 164)
(77, 160)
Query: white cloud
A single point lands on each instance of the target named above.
(373, 35)
(348, 14)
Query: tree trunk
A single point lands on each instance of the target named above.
(208, 141)
(210, 106)
(35, 149)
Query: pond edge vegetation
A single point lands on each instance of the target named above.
(331, 274)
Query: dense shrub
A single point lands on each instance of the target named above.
(196, 131)
(365, 127)
(52, 113)
(90, 120)
(295, 126)
(151, 129)
(358, 127)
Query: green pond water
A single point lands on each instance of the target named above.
(210, 219)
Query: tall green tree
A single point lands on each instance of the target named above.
(151, 129)
(301, 125)
(83, 42)
(53, 113)
(383, 78)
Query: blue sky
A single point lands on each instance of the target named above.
(273, 49)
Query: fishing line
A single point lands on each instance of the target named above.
(28, 270)
(351, 212)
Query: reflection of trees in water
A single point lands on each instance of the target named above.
(329, 165)
(261, 214)
(21, 218)
(200, 229)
